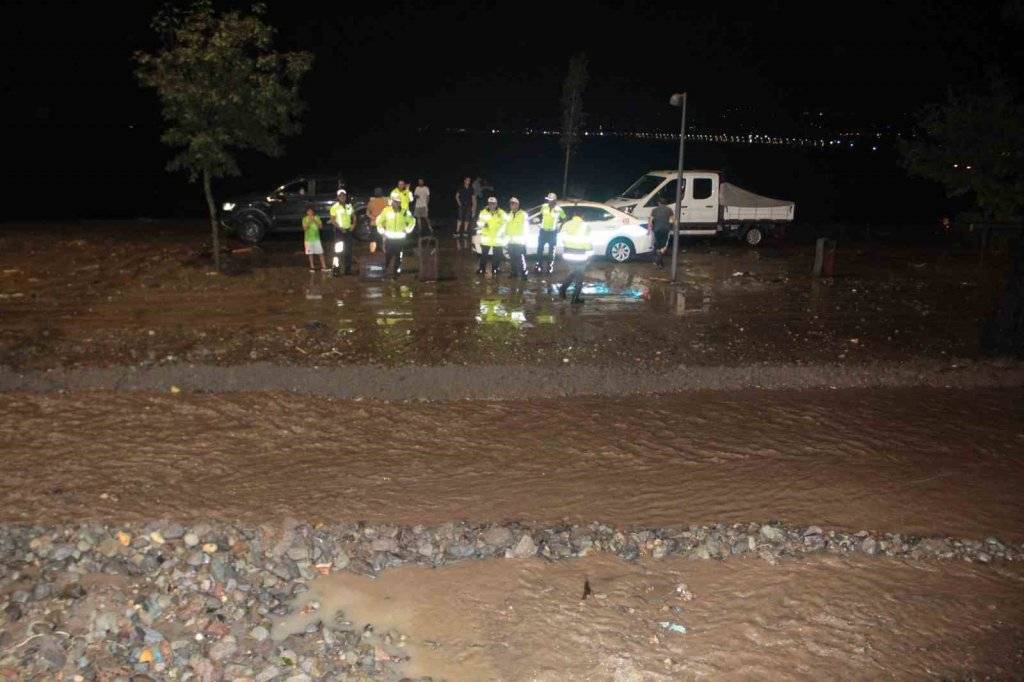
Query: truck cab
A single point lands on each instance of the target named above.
(700, 198)
(709, 205)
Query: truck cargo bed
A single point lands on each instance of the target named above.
(738, 204)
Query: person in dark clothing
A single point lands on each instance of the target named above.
(465, 198)
(661, 225)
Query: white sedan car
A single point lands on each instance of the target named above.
(616, 234)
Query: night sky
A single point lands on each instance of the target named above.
(70, 96)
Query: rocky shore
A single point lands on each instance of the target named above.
(167, 601)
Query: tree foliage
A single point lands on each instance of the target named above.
(973, 144)
(223, 89)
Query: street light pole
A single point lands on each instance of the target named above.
(678, 100)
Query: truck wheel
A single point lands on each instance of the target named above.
(252, 228)
(753, 236)
(620, 250)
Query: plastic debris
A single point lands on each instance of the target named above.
(672, 626)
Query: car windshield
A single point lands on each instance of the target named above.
(642, 187)
(293, 187)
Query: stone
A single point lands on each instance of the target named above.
(225, 648)
(259, 633)
(191, 539)
(772, 534)
(869, 546)
(523, 549)
(497, 536)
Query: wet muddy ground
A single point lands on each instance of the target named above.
(142, 292)
(902, 460)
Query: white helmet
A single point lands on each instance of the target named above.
(551, 197)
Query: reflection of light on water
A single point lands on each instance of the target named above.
(635, 292)
(495, 311)
(545, 318)
(373, 292)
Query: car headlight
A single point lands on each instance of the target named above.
(228, 206)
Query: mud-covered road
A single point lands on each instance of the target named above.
(115, 293)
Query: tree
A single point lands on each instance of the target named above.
(222, 89)
(572, 109)
(974, 145)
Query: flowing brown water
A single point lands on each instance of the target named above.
(906, 460)
(846, 618)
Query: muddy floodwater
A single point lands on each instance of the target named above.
(143, 292)
(845, 618)
(902, 460)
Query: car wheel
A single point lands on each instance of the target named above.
(252, 228)
(753, 236)
(620, 250)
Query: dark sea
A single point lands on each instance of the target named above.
(119, 173)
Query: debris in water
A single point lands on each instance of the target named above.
(586, 588)
(672, 626)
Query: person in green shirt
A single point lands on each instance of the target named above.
(311, 237)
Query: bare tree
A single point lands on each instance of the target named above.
(572, 109)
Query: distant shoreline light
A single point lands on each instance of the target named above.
(844, 140)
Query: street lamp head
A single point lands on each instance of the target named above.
(677, 99)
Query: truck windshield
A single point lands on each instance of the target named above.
(642, 187)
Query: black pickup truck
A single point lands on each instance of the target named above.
(253, 216)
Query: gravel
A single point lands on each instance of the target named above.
(159, 601)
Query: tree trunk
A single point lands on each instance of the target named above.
(1004, 332)
(565, 175)
(215, 231)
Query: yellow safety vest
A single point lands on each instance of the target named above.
(576, 244)
(492, 227)
(342, 215)
(395, 224)
(403, 196)
(515, 230)
(550, 220)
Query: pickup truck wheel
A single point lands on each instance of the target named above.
(753, 236)
(252, 228)
(620, 250)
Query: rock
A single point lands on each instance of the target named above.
(384, 545)
(62, 552)
(497, 537)
(869, 546)
(109, 548)
(191, 539)
(772, 533)
(225, 648)
(268, 673)
(259, 633)
(526, 547)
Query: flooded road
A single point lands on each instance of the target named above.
(845, 618)
(904, 460)
(115, 293)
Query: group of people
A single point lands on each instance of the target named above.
(497, 228)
